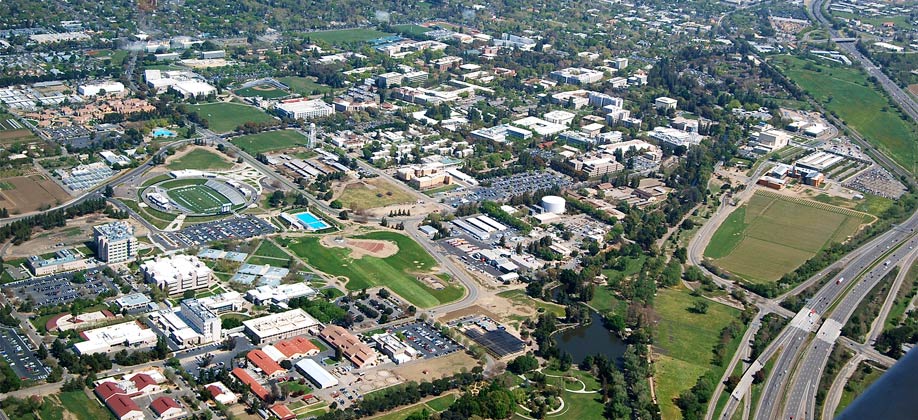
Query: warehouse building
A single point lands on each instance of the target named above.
(316, 374)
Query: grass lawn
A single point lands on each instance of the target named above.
(520, 298)
(201, 159)
(846, 92)
(605, 302)
(411, 30)
(79, 404)
(305, 86)
(269, 141)
(373, 193)
(223, 117)
(442, 402)
(345, 36)
(772, 235)
(264, 91)
(580, 406)
(396, 272)
(269, 249)
(683, 344)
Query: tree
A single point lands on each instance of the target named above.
(700, 307)
(523, 364)
(343, 215)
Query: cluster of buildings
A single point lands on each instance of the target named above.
(185, 83)
(424, 176)
(127, 397)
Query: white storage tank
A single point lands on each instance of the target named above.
(553, 204)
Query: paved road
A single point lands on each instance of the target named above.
(743, 350)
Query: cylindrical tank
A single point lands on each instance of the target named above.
(553, 204)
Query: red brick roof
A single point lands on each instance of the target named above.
(247, 379)
(296, 346)
(282, 412)
(121, 405)
(214, 390)
(106, 390)
(163, 404)
(261, 360)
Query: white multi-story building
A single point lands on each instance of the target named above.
(279, 326)
(559, 117)
(177, 273)
(115, 242)
(305, 108)
(203, 320)
(577, 75)
(665, 103)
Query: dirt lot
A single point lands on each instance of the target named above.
(435, 368)
(31, 193)
(77, 232)
(361, 247)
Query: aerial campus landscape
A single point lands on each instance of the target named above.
(454, 210)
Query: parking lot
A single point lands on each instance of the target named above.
(426, 339)
(58, 289)
(13, 349)
(391, 307)
(233, 228)
(502, 188)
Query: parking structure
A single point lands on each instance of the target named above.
(21, 358)
(233, 228)
(59, 289)
(426, 339)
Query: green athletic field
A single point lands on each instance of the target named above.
(223, 117)
(346, 35)
(398, 272)
(200, 159)
(265, 91)
(773, 235)
(198, 198)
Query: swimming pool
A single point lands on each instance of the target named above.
(162, 132)
(311, 221)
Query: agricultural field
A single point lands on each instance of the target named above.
(684, 343)
(846, 92)
(264, 91)
(305, 86)
(772, 235)
(223, 117)
(373, 193)
(200, 159)
(399, 272)
(269, 141)
(13, 131)
(343, 36)
(24, 194)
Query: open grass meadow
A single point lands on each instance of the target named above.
(269, 141)
(772, 235)
(269, 253)
(683, 344)
(373, 193)
(73, 405)
(305, 86)
(344, 36)
(398, 272)
(846, 92)
(223, 117)
(201, 159)
(520, 298)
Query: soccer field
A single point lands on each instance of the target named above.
(223, 117)
(773, 235)
(198, 198)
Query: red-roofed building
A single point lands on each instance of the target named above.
(247, 379)
(297, 347)
(265, 363)
(124, 408)
(353, 349)
(145, 384)
(167, 408)
(282, 412)
(107, 390)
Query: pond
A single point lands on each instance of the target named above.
(587, 340)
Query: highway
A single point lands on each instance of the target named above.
(794, 339)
